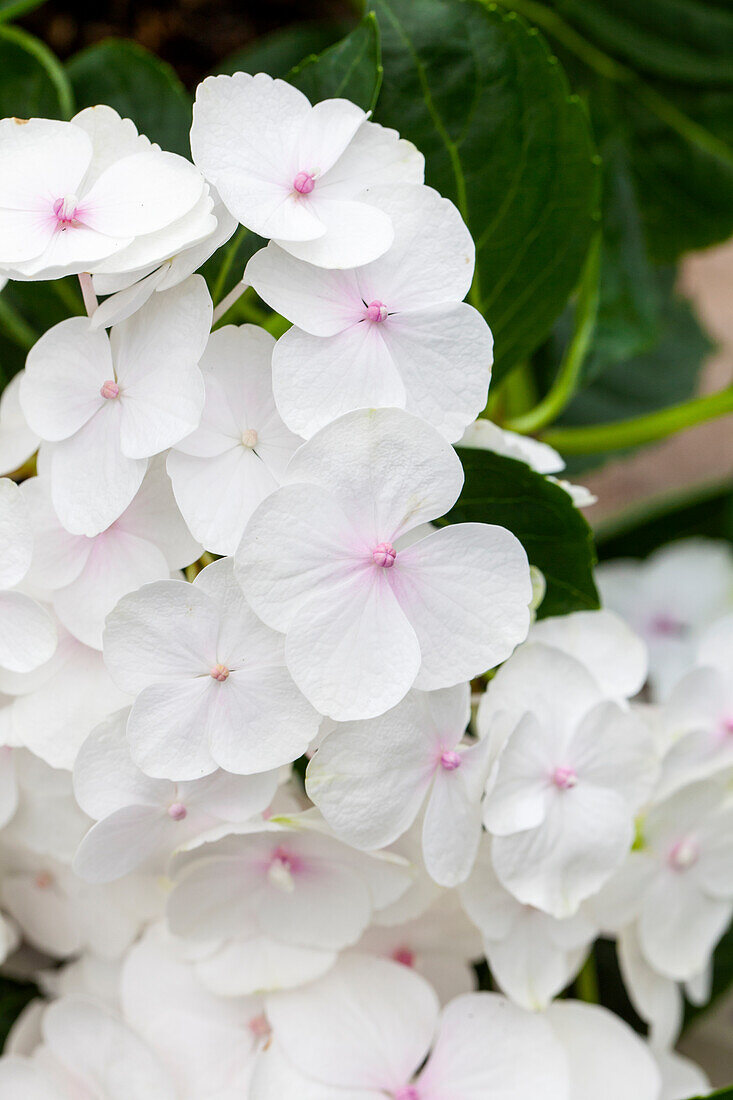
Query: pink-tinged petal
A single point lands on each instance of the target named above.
(92, 482)
(466, 591)
(167, 631)
(353, 233)
(329, 907)
(25, 234)
(16, 534)
(27, 633)
(319, 301)
(167, 729)
(311, 386)
(488, 1047)
(452, 823)
(275, 1075)
(586, 833)
(367, 1024)
(390, 471)
(324, 134)
(351, 651)
(370, 778)
(606, 1059)
(117, 564)
(70, 250)
(141, 193)
(119, 843)
(259, 720)
(65, 371)
(421, 270)
(444, 359)
(58, 555)
(298, 545)
(105, 778)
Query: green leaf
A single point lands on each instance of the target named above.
(723, 1094)
(482, 97)
(12, 9)
(27, 310)
(33, 83)
(682, 39)
(553, 532)
(279, 52)
(664, 375)
(139, 86)
(351, 69)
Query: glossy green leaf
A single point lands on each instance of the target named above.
(13, 9)
(555, 535)
(139, 86)
(480, 94)
(32, 82)
(281, 51)
(706, 511)
(350, 69)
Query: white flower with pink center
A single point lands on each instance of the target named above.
(363, 1031)
(27, 632)
(394, 332)
(85, 577)
(371, 779)
(73, 194)
(238, 454)
(109, 404)
(572, 774)
(211, 684)
(366, 618)
(299, 174)
(142, 820)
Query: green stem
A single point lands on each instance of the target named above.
(640, 429)
(586, 983)
(614, 70)
(568, 375)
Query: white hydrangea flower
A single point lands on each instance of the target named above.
(669, 599)
(17, 441)
(238, 454)
(141, 821)
(364, 1029)
(133, 281)
(574, 771)
(75, 193)
(86, 1051)
(85, 577)
(439, 944)
(299, 174)
(210, 679)
(59, 704)
(47, 819)
(533, 956)
(366, 619)
(400, 323)
(28, 635)
(299, 886)
(370, 780)
(109, 404)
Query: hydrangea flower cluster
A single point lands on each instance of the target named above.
(205, 924)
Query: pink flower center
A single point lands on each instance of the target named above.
(685, 853)
(564, 778)
(450, 760)
(249, 438)
(65, 210)
(666, 626)
(220, 673)
(283, 865)
(260, 1026)
(177, 811)
(304, 183)
(43, 880)
(408, 1092)
(384, 554)
(376, 311)
(110, 389)
(726, 725)
(404, 956)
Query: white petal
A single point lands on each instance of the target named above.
(276, 1076)
(27, 633)
(355, 233)
(452, 824)
(319, 301)
(16, 534)
(105, 778)
(260, 963)
(17, 440)
(141, 193)
(119, 843)
(611, 651)
(167, 729)
(520, 795)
